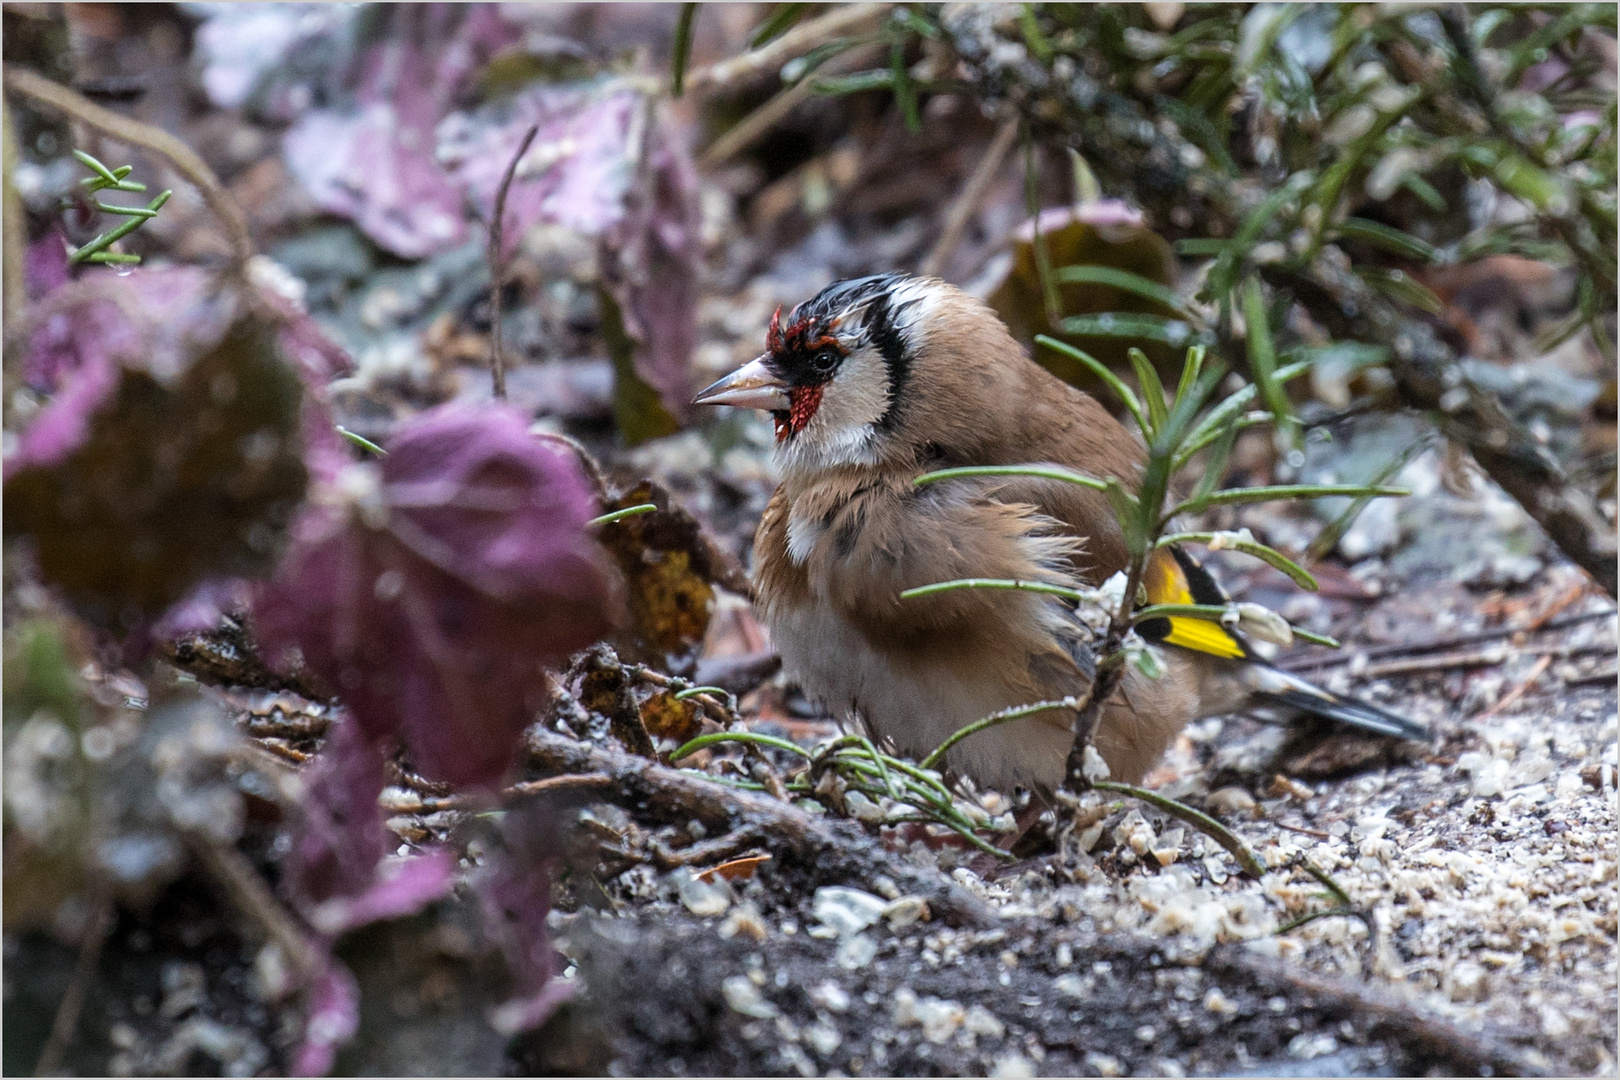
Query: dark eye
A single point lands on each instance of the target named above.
(824, 361)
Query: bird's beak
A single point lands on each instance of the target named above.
(752, 386)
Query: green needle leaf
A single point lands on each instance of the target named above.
(682, 49)
(1102, 371)
(620, 515)
(1040, 472)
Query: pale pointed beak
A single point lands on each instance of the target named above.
(752, 386)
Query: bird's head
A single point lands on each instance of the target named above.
(836, 368)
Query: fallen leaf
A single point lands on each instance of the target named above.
(736, 869)
(1105, 233)
(136, 483)
(667, 717)
(433, 587)
(669, 566)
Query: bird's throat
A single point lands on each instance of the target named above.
(803, 401)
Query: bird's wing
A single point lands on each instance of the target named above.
(1233, 677)
(1175, 577)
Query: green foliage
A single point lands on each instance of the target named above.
(105, 179)
(682, 49)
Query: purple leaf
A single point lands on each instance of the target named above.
(374, 162)
(576, 174)
(375, 167)
(581, 173)
(651, 264)
(334, 1017)
(152, 318)
(514, 891)
(401, 887)
(341, 836)
(45, 265)
(170, 453)
(431, 597)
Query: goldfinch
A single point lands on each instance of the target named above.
(879, 379)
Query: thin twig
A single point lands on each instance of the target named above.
(1312, 663)
(253, 898)
(559, 783)
(801, 39)
(587, 461)
(1595, 679)
(1518, 691)
(967, 202)
(84, 972)
(497, 265)
(759, 123)
(13, 225)
(827, 851)
(1383, 1008)
(1479, 658)
(1197, 819)
(178, 154)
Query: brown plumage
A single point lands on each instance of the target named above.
(873, 382)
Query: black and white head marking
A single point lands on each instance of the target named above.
(848, 353)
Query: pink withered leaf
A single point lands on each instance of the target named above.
(334, 1017)
(575, 174)
(340, 837)
(433, 587)
(338, 872)
(154, 318)
(339, 877)
(373, 161)
(170, 453)
(514, 893)
(651, 264)
(45, 264)
(604, 165)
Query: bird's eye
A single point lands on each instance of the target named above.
(824, 361)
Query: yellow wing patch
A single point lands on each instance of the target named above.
(1166, 583)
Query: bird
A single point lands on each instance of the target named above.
(876, 380)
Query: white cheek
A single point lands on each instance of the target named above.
(843, 431)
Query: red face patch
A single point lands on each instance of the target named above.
(804, 401)
(798, 351)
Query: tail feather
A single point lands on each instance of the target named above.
(1279, 689)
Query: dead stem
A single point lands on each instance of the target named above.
(757, 124)
(827, 851)
(247, 890)
(967, 202)
(84, 970)
(1382, 1008)
(797, 41)
(1312, 663)
(497, 265)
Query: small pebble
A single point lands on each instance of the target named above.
(744, 997)
(1232, 802)
(981, 1021)
(830, 996)
(855, 952)
(823, 1038)
(745, 921)
(847, 911)
(1013, 1066)
(703, 898)
(905, 911)
(1104, 1064)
